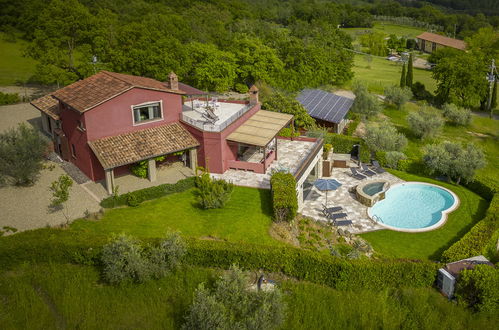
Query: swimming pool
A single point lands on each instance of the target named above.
(414, 206)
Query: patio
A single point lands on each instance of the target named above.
(289, 158)
(356, 211)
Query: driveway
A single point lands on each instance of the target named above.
(26, 208)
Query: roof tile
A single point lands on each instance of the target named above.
(48, 105)
(442, 40)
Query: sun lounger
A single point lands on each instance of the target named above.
(377, 167)
(367, 171)
(334, 216)
(357, 175)
(342, 223)
(332, 209)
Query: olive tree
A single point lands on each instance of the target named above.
(425, 123)
(456, 115)
(21, 155)
(366, 104)
(453, 160)
(60, 193)
(231, 304)
(397, 96)
(384, 138)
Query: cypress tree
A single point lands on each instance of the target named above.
(402, 77)
(408, 81)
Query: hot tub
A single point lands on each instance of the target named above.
(368, 193)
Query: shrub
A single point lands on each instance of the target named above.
(366, 104)
(280, 102)
(140, 169)
(148, 193)
(344, 144)
(397, 96)
(168, 255)
(211, 193)
(384, 138)
(425, 123)
(284, 201)
(21, 155)
(241, 88)
(7, 98)
(352, 126)
(420, 93)
(232, 305)
(479, 288)
(133, 199)
(457, 115)
(393, 158)
(123, 261)
(288, 132)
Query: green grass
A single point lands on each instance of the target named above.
(431, 244)
(14, 67)
(387, 28)
(381, 73)
(245, 218)
(48, 296)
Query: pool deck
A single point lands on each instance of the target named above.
(356, 211)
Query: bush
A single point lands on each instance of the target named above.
(392, 158)
(279, 102)
(425, 123)
(6, 98)
(397, 96)
(457, 115)
(232, 305)
(140, 169)
(132, 199)
(344, 144)
(479, 288)
(211, 193)
(363, 274)
(148, 193)
(478, 238)
(284, 201)
(420, 93)
(168, 255)
(123, 261)
(384, 138)
(288, 132)
(366, 105)
(21, 155)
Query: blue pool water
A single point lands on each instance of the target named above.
(412, 206)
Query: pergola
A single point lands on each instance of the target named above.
(260, 130)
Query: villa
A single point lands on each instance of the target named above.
(108, 122)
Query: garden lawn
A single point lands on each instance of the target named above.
(431, 244)
(58, 296)
(381, 73)
(245, 218)
(387, 28)
(14, 67)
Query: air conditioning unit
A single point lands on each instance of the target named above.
(446, 282)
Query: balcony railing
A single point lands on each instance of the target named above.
(210, 127)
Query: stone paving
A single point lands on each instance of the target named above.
(290, 154)
(356, 211)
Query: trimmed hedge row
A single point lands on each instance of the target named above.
(478, 238)
(284, 201)
(138, 196)
(314, 267)
(344, 144)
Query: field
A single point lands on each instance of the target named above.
(49, 295)
(387, 28)
(14, 68)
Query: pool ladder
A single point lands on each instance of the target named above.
(375, 217)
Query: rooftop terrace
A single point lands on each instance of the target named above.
(197, 113)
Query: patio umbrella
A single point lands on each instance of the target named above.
(327, 185)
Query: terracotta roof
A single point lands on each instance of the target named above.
(128, 148)
(442, 40)
(88, 93)
(260, 128)
(48, 105)
(189, 90)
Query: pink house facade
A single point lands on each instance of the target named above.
(106, 123)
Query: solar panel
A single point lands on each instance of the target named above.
(325, 106)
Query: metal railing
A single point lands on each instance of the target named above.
(378, 219)
(210, 127)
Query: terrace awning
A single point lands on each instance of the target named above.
(260, 128)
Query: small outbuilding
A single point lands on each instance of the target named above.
(328, 109)
(430, 42)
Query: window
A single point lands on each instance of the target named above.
(147, 112)
(80, 125)
(73, 150)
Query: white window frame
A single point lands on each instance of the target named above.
(149, 120)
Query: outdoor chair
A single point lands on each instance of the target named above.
(332, 209)
(357, 175)
(334, 216)
(367, 171)
(342, 223)
(377, 167)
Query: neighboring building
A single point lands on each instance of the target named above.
(110, 121)
(447, 276)
(327, 109)
(430, 42)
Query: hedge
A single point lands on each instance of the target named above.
(344, 144)
(478, 239)
(314, 267)
(284, 201)
(6, 98)
(478, 288)
(138, 196)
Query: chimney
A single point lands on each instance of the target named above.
(173, 79)
(253, 95)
